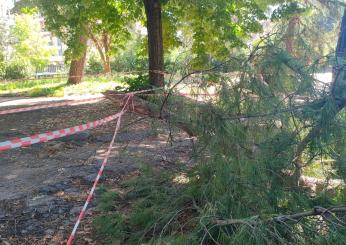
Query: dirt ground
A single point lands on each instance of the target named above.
(44, 186)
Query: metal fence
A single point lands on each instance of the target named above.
(52, 70)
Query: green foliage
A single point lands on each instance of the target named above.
(132, 57)
(129, 62)
(137, 83)
(215, 27)
(94, 66)
(2, 66)
(59, 87)
(72, 19)
(315, 31)
(287, 10)
(55, 91)
(107, 201)
(16, 70)
(248, 137)
(151, 201)
(30, 45)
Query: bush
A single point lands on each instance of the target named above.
(129, 63)
(2, 70)
(2, 66)
(94, 66)
(140, 82)
(15, 70)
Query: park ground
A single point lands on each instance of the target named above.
(44, 186)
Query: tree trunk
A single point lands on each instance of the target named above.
(76, 72)
(155, 42)
(337, 91)
(290, 34)
(106, 45)
(339, 71)
(107, 66)
(102, 47)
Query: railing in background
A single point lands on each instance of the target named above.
(52, 70)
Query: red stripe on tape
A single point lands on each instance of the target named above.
(36, 136)
(5, 148)
(104, 163)
(26, 141)
(15, 141)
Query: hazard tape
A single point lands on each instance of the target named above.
(58, 104)
(44, 137)
(104, 163)
(197, 94)
(91, 193)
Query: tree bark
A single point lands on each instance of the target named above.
(155, 42)
(339, 69)
(76, 71)
(107, 66)
(106, 45)
(290, 34)
(103, 48)
(337, 92)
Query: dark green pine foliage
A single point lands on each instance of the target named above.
(271, 117)
(247, 143)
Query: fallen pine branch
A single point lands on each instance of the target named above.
(314, 212)
(326, 213)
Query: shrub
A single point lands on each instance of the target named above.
(2, 66)
(16, 70)
(2, 70)
(129, 63)
(94, 66)
(137, 83)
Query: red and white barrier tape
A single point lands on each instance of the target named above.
(44, 137)
(91, 193)
(58, 104)
(197, 94)
(182, 94)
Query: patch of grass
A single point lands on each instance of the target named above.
(55, 91)
(320, 170)
(58, 87)
(94, 85)
(145, 210)
(25, 86)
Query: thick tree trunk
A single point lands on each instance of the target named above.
(155, 42)
(76, 72)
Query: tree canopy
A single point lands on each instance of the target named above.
(30, 44)
(215, 27)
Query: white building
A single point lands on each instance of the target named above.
(8, 20)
